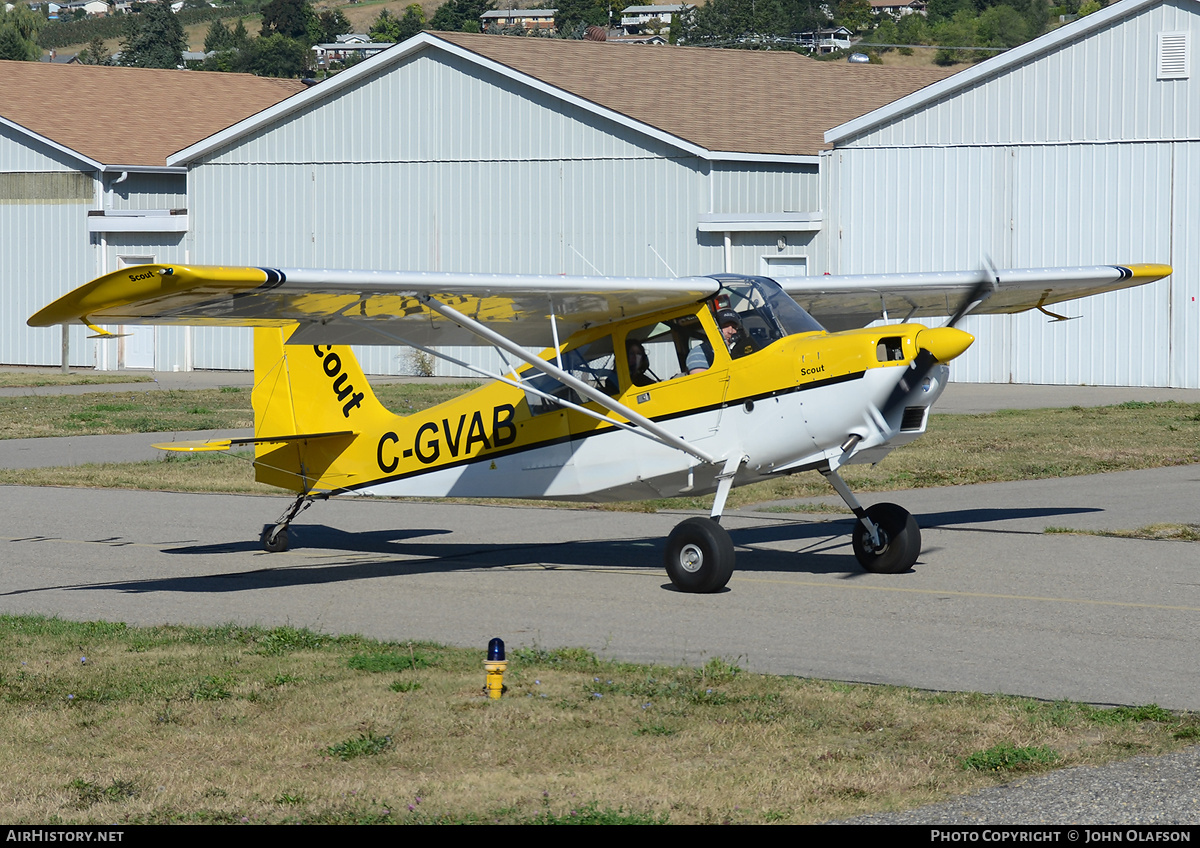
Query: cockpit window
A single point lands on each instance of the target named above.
(593, 364)
(764, 313)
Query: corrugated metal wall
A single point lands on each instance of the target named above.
(146, 191)
(44, 200)
(46, 253)
(1100, 87)
(1065, 159)
(739, 187)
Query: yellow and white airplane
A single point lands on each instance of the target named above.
(648, 387)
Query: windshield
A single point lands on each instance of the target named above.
(766, 312)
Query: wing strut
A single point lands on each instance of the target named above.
(660, 434)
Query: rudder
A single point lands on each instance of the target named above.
(307, 390)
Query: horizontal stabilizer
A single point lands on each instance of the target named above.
(195, 445)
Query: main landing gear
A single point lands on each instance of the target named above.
(700, 556)
(886, 539)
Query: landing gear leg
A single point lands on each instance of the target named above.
(886, 539)
(275, 537)
(700, 556)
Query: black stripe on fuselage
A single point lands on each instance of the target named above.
(546, 443)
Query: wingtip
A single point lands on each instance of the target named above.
(1147, 272)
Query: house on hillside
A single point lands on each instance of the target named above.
(341, 52)
(635, 19)
(898, 9)
(526, 19)
(826, 40)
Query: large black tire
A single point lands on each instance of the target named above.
(277, 545)
(899, 538)
(700, 556)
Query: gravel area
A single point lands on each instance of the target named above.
(1145, 790)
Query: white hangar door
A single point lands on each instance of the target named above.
(136, 350)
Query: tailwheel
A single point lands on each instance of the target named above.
(274, 537)
(274, 541)
(899, 540)
(700, 556)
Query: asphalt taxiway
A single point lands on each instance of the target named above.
(994, 604)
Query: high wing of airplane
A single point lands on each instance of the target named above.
(647, 388)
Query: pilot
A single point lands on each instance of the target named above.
(639, 364)
(700, 357)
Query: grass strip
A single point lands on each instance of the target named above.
(1152, 532)
(957, 449)
(36, 379)
(104, 723)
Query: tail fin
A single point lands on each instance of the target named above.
(315, 397)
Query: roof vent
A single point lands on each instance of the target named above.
(1174, 55)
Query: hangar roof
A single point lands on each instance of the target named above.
(748, 101)
(715, 103)
(131, 117)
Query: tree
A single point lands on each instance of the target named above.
(289, 18)
(855, 15)
(943, 10)
(572, 17)
(460, 15)
(329, 25)
(914, 29)
(959, 31)
(413, 21)
(1002, 26)
(274, 56)
(683, 26)
(389, 29)
(218, 38)
(95, 53)
(386, 29)
(724, 20)
(19, 27)
(239, 38)
(15, 48)
(886, 33)
(153, 39)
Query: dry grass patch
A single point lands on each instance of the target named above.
(106, 723)
(33, 379)
(1153, 532)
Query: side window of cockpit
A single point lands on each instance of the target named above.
(593, 364)
(652, 354)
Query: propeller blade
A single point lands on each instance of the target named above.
(989, 281)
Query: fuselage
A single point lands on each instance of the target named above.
(786, 395)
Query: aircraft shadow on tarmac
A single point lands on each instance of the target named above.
(816, 548)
